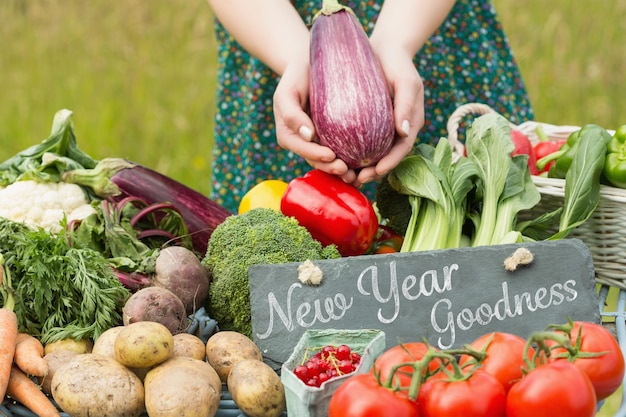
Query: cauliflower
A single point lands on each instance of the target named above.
(43, 204)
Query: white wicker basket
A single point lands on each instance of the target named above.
(604, 232)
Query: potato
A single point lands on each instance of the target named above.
(224, 349)
(56, 359)
(189, 345)
(182, 386)
(256, 389)
(104, 344)
(91, 385)
(78, 346)
(143, 344)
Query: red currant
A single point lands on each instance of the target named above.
(328, 351)
(312, 368)
(323, 377)
(313, 382)
(301, 372)
(345, 366)
(327, 363)
(343, 352)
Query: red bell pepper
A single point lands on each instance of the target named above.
(546, 147)
(333, 211)
(523, 146)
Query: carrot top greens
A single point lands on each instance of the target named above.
(60, 291)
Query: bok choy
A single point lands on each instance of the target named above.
(476, 199)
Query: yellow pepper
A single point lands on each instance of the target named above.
(265, 194)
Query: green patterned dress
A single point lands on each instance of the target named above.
(467, 60)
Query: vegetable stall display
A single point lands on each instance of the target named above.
(123, 259)
(72, 259)
(126, 243)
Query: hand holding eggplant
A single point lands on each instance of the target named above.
(407, 92)
(352, 111)
(295, 132)
(294, 128)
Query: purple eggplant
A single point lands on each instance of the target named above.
(350, 102)
(114, 179)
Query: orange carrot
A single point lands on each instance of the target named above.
(25, 391)
(29, 355)
(8, 331)
(8, 334)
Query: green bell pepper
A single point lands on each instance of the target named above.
(615, 162)
(565, 155)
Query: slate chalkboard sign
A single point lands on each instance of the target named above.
(450, 297)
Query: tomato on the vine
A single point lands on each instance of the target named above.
(478, 395)
(402, 353)
(362, 395)
(505, 356)
(605, 367)
(555, 389)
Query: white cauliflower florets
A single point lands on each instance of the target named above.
(43, 204)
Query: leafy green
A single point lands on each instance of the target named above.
(489, 145)
(581, 194)
(582, 183)
(60, 291)
(392, 206)
(46, 162)
(428, 191)
(474, 200)
(520, 193)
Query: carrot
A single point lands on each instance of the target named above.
(8, 334)
(25, 391)
(8, 330)
(29, 355)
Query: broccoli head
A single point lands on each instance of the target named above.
(258, 236)
(394, 208)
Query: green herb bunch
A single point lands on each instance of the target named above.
(60, 291)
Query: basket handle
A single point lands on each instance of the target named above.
(455, 118)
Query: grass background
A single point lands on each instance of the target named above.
(139, 74)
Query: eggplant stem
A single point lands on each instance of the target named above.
(330, 7)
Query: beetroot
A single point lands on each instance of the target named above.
(179, 270)
(156, 304)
